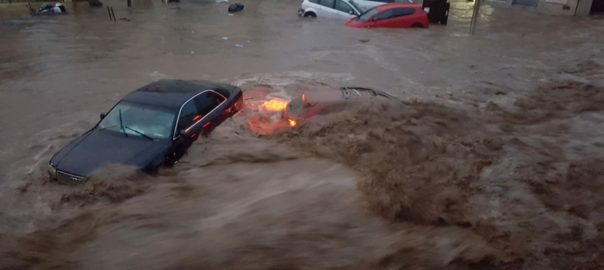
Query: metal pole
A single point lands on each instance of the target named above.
(113, 13)
(129, 3)
(475, 15)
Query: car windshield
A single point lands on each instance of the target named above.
(367, 15)
(133, 119)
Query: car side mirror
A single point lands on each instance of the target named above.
(102, 116)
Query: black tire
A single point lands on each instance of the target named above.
(310, 15)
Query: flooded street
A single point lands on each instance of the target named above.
(493, 158)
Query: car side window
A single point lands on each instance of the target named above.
(383, 1)
(327, 3)
(187, 114)
(398, 12)
(207, 101)
(218, 98)
(195, 109)
(344, 7)
(384, 15)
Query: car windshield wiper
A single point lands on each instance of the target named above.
(122, 123)
(140, 133)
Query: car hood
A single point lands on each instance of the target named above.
(99, 148)
(354, 23)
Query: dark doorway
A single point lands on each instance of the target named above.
(597, 6)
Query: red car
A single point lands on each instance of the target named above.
(395, 15)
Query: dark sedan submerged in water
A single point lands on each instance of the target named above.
(150, 127)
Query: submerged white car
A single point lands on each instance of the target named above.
(336, 9)
(368, 4)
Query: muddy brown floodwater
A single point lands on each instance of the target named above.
(493, 158)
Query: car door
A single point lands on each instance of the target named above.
(198, 116)
(326, 8)
(208, 113)
(187, 115)
(213, 105)
(344, 10)
(382, 19)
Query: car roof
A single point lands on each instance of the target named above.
(398, 5)
(169, 94)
